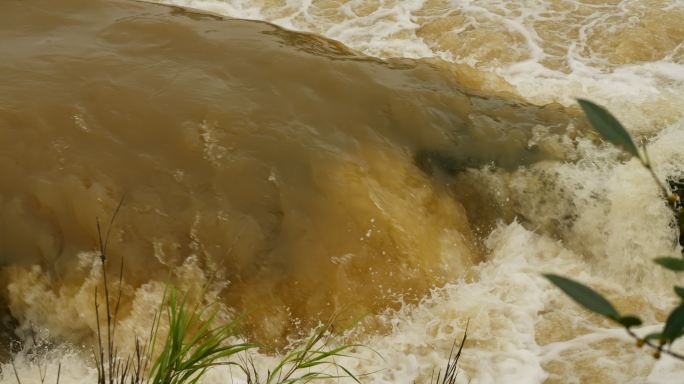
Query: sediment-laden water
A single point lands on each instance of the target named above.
(415, 177)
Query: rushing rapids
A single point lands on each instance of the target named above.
(293, 178)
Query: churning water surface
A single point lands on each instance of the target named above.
(416, 173)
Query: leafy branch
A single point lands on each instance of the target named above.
(661, 342)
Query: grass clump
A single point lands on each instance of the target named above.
(450, 373)
(193, 344)
(310, 362)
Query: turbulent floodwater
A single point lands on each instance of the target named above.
(420, 175)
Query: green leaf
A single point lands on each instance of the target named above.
(585, 296)
(654, 336)
(679, 291)
(671, 263)
(674, 324)
(608, 126)
(630, 321)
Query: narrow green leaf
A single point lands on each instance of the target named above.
(630, 321)
(679, 291)
(608, 126)
(585, 296)
(671, 263)
(674, 324)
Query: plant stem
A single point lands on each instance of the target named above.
(658, 348)
(669, 196)
(665, 191)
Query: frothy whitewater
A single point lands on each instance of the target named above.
(594, 217)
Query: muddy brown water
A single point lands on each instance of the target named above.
(306, 178)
